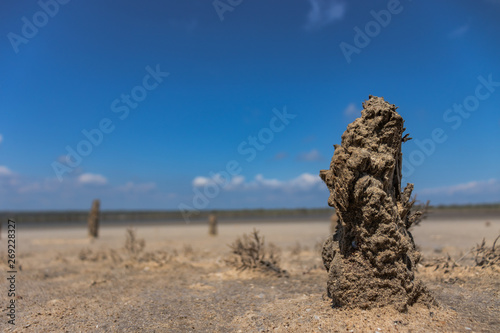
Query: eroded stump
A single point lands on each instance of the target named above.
(93, 220)
(334, 220)
(212, 225)
(371, 258)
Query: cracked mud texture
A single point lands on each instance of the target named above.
(371, 257)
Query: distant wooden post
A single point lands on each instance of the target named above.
(93, 220)
(212, 225)
(334, 220)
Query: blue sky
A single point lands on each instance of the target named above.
(178, 94)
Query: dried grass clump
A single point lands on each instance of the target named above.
(130, 255)
(100, 255)
(445, 264)
(250, 252)
(296, 250)
(482, 256)
(133, 245)
(159, 257)
(486, 256)
(188, 250)
(419, 213)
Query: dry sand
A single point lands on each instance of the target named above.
(181, 283)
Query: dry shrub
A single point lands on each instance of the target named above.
(250, 252)
(486, 256)
(419, 213)
(133, 245)
(482, 256)
(446, 264)
(296, 250)
(158, 257)
(187, 250)
(131, 254)
(100, 255)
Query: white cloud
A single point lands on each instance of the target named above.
(270, 183)
(21, 192)
(62, 159)
(218, 180)
(474, 187)
(460, 31)
(137, 187)
(313, 155)
(92, 179)
(30, 188)
(237, 180)
(351, 110)
(201, 181)
(303, 182)
(323, 13)
(12, 183)
(1, 138)
(280, 156)
(4, 171)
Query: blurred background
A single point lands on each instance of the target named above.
(168, 105)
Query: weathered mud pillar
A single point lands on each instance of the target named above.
(93, 221)
(334, 220)
(371, 258)
(212, 225)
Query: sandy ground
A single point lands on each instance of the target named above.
(181, 282)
